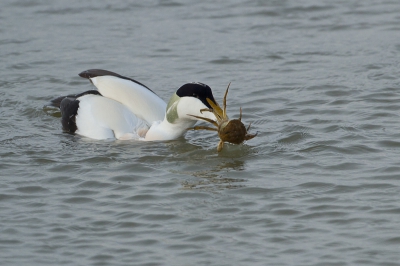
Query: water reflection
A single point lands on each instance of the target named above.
(216, 177)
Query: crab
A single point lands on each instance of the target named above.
(232, 131)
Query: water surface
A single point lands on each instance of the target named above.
(319, 185)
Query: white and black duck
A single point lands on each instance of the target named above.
(123, 108)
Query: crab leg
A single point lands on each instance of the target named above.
(202, 127)
(206, 110)
(250, 136)
(248, 127)
(220, 145)
(224, 102)
(206, 119)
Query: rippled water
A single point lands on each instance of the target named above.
(319, 185)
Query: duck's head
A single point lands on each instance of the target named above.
(190, 99)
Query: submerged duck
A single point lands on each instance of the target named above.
(123, 108)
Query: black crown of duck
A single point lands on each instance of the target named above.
(232, 131)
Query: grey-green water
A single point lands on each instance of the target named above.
(319, 185)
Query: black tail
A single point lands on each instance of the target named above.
(69, 109)
(57, 101)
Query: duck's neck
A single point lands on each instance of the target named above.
(176, 120)
(165, 130)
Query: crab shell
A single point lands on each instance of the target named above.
(232, 131)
